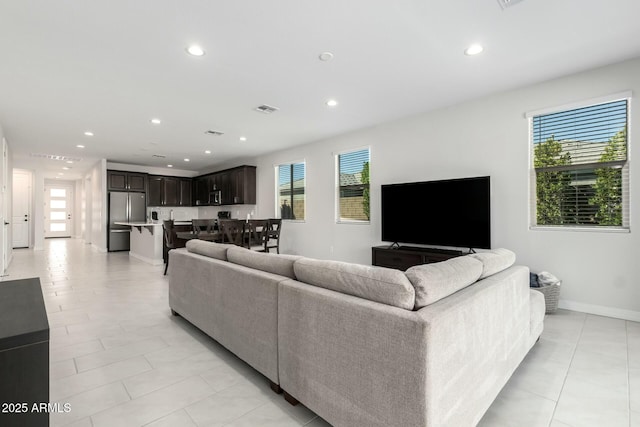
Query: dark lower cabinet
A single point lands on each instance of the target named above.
(404, 257)
(24, 356)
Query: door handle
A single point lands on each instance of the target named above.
(6, 223)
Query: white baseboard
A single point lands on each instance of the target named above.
(600, 310)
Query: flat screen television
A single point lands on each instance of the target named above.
(453, 212)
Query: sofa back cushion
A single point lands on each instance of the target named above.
(433, 282)
(210, 249)
(272, 263)
(378, 284)
(494, 261)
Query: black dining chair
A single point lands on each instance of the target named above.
(255, 234)
(206, 225)
(232, 231)
(169, 242)
(272, 238)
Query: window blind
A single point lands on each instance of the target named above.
(580, 164)
(353, 185)
(291, 191)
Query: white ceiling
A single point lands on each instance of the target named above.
(69, 66)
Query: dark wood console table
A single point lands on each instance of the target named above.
(404, 257)
(24, 354)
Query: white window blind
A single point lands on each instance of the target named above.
(580, 166)
(353, 186)
(290, 191)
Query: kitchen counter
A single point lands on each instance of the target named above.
(146, 241)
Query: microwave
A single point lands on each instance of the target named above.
(215, 197)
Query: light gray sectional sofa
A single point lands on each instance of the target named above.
(362, 345)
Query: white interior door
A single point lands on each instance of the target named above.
(21, 215)
(58, 208)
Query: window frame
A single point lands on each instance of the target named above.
(336, 155)
(277, 210)
(625, 227)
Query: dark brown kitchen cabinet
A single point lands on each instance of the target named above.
(201, 190)
(155, 191)
(242, 185)
(184, 192)
(235, 186)
(169, 191)
(126, 181)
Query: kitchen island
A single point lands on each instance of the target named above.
(146, 241)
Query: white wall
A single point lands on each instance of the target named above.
(98, 209)
(38, 211)
(488, 136)
(6, 204)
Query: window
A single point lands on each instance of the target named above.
(580, 166)
(290, 190)
(353, 186)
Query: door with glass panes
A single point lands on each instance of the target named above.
(58, 208)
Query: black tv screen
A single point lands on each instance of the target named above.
(454, 212)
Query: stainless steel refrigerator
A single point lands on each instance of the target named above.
(124, 207)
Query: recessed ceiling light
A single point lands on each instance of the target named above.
(332, 103)
(207, 151)
(187, 160)
(243, 138)
(60, 173)
(66, 168)
(87, 133)
(474, 49)
(169, 166)
(80, 146)
(195, 50)
(325, 56)
(70, 162)
(156, 121)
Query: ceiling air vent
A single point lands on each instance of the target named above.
(214, 132)
(159, 156)
(507, 3)
(266, 109)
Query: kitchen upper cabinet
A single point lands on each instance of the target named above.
(126, 181)
(184, 192)
(234, 186)
(155, 191)
(201, 190)
(242, 185)
(169, 191)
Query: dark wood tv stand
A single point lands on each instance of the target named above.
(403, 257)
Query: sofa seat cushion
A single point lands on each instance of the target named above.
(210, 249)
(433, 282)
(495, 260)
(271, 263)
(378, 284)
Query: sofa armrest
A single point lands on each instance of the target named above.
(476, 339)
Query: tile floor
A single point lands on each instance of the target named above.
(120, 359)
